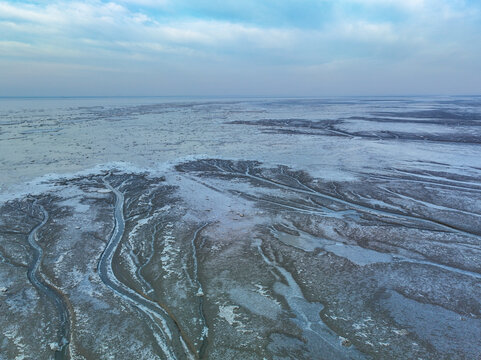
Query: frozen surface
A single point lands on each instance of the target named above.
(319, 135)
(343, 228)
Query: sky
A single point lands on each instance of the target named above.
(240, 47)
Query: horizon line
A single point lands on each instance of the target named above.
(229, 96)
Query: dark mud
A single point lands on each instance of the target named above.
(463, 135)
(223, 259)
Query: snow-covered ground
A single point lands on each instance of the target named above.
(241, 228)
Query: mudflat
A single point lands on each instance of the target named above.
(241, 229)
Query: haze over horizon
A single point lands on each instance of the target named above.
(249, 48)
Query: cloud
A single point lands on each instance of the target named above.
(74, 24)
(145, 3)
(207, 35)
(406, 4)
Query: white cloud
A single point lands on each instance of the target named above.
(407, 4)
(119, 35)
(113, 23)
(146, 3)
(368, 31)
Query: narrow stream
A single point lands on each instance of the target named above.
(159, 316)
(304, 189)
(318, 334)
(62, 350)
(200, 295)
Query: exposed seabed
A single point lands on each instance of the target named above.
(222, 259)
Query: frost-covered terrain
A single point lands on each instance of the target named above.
(240, 229)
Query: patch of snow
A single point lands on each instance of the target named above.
(226, 312)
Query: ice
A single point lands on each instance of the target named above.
(263, 227)
(227, 312)
(257, 303)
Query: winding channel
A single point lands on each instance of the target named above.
(305, 189)
(164, 324)
(306, 315)
(200, 295)
(33, 274)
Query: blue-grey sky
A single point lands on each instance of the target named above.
(240, 47)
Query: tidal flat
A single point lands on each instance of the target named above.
(346, 228)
